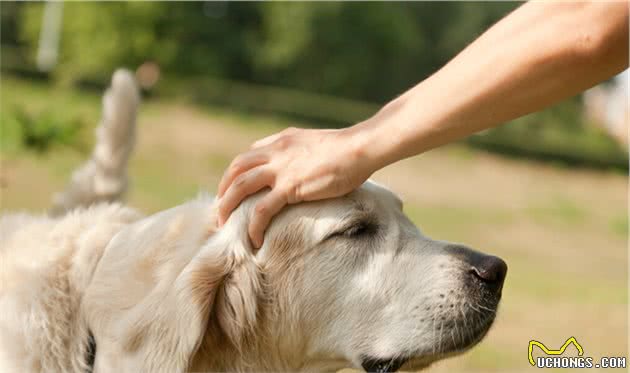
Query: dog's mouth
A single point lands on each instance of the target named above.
(374, 365)
(455, 336)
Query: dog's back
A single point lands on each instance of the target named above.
(46, 265)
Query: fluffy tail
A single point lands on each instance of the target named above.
(104, 176)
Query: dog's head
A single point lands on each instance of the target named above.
(342, 282)
(352, 279)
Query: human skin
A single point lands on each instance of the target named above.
(540, 54)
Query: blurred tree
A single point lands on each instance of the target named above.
(366, 51)
(8, 23)
(370, 51)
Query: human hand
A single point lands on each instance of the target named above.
(298, 165)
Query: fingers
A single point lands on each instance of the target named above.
(272, 138)
(239, 165)
(265, 141)
(243, 185)
(264, 210)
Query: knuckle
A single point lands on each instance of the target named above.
(270, 176)
(283, 141)
(240, 180)
(241, 162)
(293, 192)
(297, 194)
(257, 143)
(223, 212)
(237, 165)
(261, 209)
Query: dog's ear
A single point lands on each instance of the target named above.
(235, 307)
(163, 285)
(228, 281)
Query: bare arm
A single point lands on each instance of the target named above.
(541, 53)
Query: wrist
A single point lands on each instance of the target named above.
(374, 143)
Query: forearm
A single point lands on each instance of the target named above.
(538, 55)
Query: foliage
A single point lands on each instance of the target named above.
(370, 51)
(331, 63)
(41, 132)
(36, 118)
(559, 134)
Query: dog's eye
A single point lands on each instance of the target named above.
(356, 230)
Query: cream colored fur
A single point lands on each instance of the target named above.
(103, 178)
(173, 293)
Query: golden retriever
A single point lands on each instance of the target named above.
(345, 282)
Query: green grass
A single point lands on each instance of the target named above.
(244, 97)
(559, 285)
(619, 225)
(218, 162)
(45, 109)
(455, 222)
(559, 135)
(488, 357)
(160, 186)
(559, 209)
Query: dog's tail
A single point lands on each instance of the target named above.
(104, 176)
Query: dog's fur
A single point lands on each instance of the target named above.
(336, 283)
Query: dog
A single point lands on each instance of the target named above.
(344, 282)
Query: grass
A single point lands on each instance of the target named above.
(40, 112)
(562, 230)
(455, 223)
(559, 209)
(555, 286)
(619, 225)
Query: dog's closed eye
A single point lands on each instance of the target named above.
(355, 230)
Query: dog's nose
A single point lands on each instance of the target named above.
(490, 269)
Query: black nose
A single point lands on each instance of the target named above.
(487, 269)
(490, 269)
